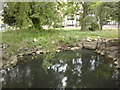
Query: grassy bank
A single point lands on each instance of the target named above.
(49, 39)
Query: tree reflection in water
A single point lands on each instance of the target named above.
(80, 69)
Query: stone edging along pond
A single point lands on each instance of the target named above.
(105, 47)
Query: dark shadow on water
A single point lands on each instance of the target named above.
(80, 69)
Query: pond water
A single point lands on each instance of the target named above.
(70, 69)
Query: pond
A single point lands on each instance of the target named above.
(70, 69)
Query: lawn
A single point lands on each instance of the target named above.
(51, 38)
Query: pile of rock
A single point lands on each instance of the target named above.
(106, 47)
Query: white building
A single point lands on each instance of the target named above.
(71, 20)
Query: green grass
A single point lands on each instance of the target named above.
(51, 38)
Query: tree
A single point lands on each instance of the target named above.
(16, 14)
(23, 14)
(84, 14)
(105, 11)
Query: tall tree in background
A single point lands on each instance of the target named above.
(84, 14)
(23, 14)
(17, 14)
(105, 11)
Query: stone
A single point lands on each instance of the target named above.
(13, 62)
(112, 54)
(115, 58)
(33, 53)
(72, 49)
(35, 40)
(39, 47)
(90, 45)
(89, 39)
(96, 50)
(103, 46)
(80, 45)
(118, 59)
(114, 43)
(116, 62)
(40, 52)
(77, 48)
(98, 45)
(1, 64)
(58, 50)
(102, 52)
(14, 58)
(47, 51)
(113, 48)
(0, 49)
(29, 53)
(107, 53)
(20, 54)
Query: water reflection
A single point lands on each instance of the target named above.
(69, 70)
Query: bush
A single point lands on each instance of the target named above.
(94, 26)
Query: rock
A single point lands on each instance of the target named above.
(13, 62)
(99, 37)
(20, 54)
(0, 46)
(1, 64)
(114, 43)
(29, 53)
(103, 46)
(80, 45)
(4, 57)
(35, 40)
(72, 49)
(90, 45)
(46, 52)
(98, 51)
(0, 49)
(89, 39)
(98, 45)
(118, 59)
(77, 48)
(107, 53)
(113, 48)
(118, 67)
(115, 58)
(116, 62)
(4, 46)
(40, 52)
(112, 54)
(33, 53)
(39, 47)
(58, 50)
(14, 58)
(102, 52)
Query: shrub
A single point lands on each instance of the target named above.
(94, 26)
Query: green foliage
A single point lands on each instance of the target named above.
(94, 26)
(23, 14)
(105, 11)
(17, 14)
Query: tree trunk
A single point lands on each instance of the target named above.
(84, 14)
(101, 23)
